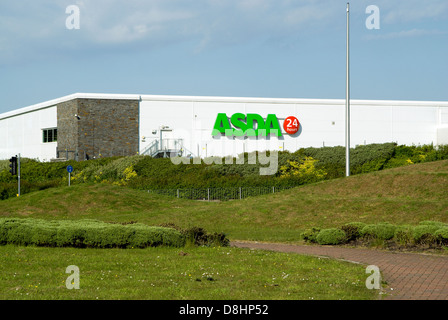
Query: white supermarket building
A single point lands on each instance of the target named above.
(85, 126)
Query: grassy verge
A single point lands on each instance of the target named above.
(197, 273)
(399, 196)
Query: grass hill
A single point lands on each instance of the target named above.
(305, 166)
(404, 195)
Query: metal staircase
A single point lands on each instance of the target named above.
(164, 148)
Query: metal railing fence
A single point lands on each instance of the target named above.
(219, 194)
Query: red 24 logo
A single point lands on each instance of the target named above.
(291, 125)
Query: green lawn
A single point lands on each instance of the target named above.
(405, 195)
(176, 274)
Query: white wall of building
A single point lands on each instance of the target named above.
(322, 122)
(192, 119)
(442, 130)
(22, 133)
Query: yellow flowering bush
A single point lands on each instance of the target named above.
(303, 170)
(128, 174)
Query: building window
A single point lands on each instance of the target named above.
(50, 135)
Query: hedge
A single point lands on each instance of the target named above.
(144, 172)
(85, 234)
(442, 235)
(353, 230)
(380, 231)
(310, 235)
(331, 236)
(425, 233)
(364, 158)
(404, 234)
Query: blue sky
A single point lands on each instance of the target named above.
(247, 48)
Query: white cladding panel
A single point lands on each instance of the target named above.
(23, 134)
(322, 124)
(442, 135)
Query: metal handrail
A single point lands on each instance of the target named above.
(165, 145)
(221, 194)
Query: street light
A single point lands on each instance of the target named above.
(347, 101)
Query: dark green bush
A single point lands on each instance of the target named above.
(310, 235)
(442, 235)
(372, 157)
(363, 158)
(424, 234)
(353, 230)
(404, 234)
(380, 231)
(331, 236)
(218, 239)
(199, 236)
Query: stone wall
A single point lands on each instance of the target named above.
(67, 129)
(105, 128)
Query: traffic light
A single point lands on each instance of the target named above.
(13, 165)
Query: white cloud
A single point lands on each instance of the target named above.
(405, 34)
(31, 27)
(415, 11)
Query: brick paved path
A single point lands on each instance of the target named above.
(409, 276)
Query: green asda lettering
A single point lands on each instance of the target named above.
(251, 125)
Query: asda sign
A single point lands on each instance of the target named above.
(253, 125)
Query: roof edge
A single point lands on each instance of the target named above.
(138, 97)
(53, 102)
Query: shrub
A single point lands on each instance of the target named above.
(380, 231)
(20, 234)
(331, 236)
(310, 235)
(306, 165)
(6, 224)
(304, 171)
(424, 234)
(71, 236)
(45, 236)
(442, 235)
(427, 232)
(199, 237)
(155, 236)
(353, 230)
(364, 158)
(404, 234)
(433, 223)
(85, 233)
